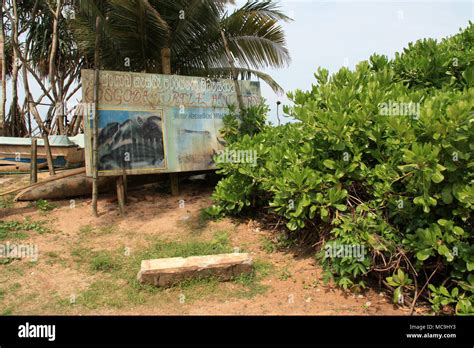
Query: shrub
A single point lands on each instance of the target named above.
(381, 158)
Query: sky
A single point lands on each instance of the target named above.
(337, 33)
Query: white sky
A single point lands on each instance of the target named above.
(335, 33)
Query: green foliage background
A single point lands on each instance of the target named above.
(401, 186)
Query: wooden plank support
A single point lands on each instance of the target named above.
(170, 271)
(49, 156)
(34, 161)
(166, 70)
(174, 184)
(95, 121)
(125, 186)
(120, 193)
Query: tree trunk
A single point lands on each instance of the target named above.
(31, 107)
(15, 122)
(3, 72)
(34, 161)
(166, 70)
(54, 49)
(95, 121)
(234, 72)
(166, 61)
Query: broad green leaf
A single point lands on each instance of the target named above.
(340, 207)
(446, 195)
(442, 222)
(324, 212)
(292, 226)
(392, 282)
(470, 279)
(437, 177)
(422, 255)
(454, 292)
(444, 291)
(397, 294)
(470, 266)
(329, 164)
(443, 250)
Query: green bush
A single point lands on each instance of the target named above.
(382, 158)
(250, 121)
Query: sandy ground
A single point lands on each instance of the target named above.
(293, 285)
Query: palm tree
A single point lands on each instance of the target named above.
(14, 123)
(50, 49)
(44, 43)
(135, 32)
(41, 44)
(3, 72)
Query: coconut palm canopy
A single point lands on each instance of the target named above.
(55, 39)
(135, 31)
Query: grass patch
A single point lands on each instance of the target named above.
(44, 205)
(18, 230)
(97, 261)
(282, 242)
(104, 262)
(285, 274)
(218, 245)
(106, 229)
(268, 245)
(6, 202)
(123, 290)
(103, 294)
(81, 255)
(5, 260)
(7, 311)
(14, 286)
(54, 257)
(88, 230)
(250, 283)
(190, 290)
(17, 269)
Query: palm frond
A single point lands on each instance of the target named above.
(255, 36)
(243, 74)
(138, 29)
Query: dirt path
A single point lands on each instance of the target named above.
(75, 272)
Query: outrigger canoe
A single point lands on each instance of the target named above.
(67, 152)
(69, 184)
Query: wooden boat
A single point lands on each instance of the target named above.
(12, 166)
(66, 151)
(72, 183)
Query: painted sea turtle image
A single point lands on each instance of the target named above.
(135, 143)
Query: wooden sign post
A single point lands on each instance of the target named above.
(166, 70)
(33, 161)
(95, 131)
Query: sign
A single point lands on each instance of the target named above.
(151, 123)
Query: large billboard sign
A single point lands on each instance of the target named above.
(151, 123)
